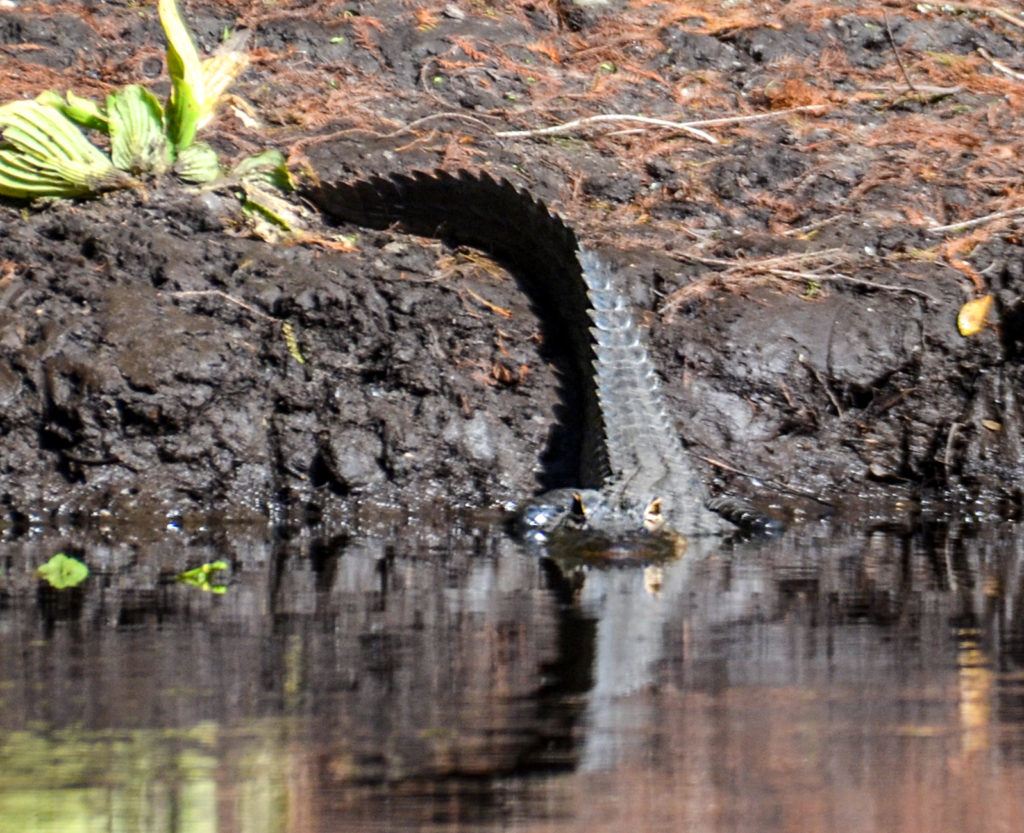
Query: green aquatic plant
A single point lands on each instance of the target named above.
(63, 571)
(203, 577)
(45, 153)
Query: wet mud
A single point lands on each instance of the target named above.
(801, 307)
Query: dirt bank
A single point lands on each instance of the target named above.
(801, 308)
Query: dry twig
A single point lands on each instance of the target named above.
(1002, 14)
(1003, 68)
(569, 126)
(691, 127)
(977, 221)
(217, 293)
(821, 381)
(781, 267)
(896, 52)
(838, 277)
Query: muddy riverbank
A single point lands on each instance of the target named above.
(801, 303)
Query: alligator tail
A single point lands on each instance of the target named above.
(474, 209)
(630, 446)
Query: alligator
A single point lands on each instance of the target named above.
(635, 476)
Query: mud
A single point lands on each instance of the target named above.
(801, 311)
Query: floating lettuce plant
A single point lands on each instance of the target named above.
(63, 571)
(45, 153)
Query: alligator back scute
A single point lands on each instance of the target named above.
(645, 455)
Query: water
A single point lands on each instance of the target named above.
(829, 680)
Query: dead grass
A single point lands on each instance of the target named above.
(921, 122)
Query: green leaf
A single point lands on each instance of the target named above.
(69, 138)
(83, 111)
(137, 140)
(197, 163)
(187, 89)
(266, 168)
(48, 155)
(201, 577)
(62, 571)
(21, 180)
(43, 131)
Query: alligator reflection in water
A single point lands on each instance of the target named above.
(869, 682)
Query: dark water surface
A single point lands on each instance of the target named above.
(825, 681)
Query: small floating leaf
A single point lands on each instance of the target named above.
(973, 315)
(62, 571)
(201, 577)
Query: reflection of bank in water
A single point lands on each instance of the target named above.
(145, 780)
(860, 622)
(456, 682)
(328, 674)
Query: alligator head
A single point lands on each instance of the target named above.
(591, 525)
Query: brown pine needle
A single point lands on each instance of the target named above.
(504, 313)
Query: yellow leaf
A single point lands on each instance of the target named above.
(292, 342)
(973, 315)
(218, 73)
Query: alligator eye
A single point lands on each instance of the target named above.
(653, 519)
(578, 509)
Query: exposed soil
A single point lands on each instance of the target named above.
(801, 307)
